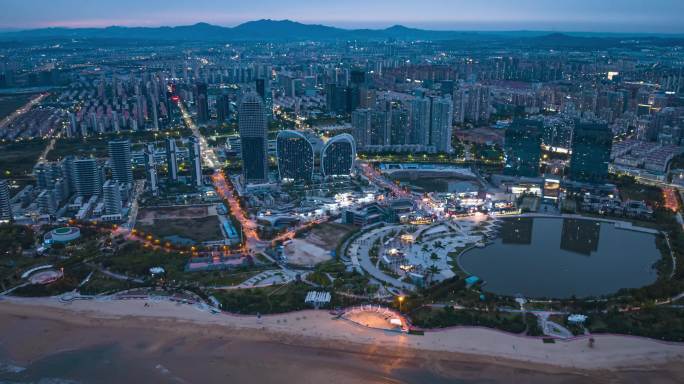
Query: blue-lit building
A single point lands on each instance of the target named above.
(591, 145)
(5, 203)
(523, 147)
(195, 159)
(295, 152)
(338, 99)
(202, 102)
(89, 177)
(253, 138)
(120, 160)
(338, 156)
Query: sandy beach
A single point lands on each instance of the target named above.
(310, 346)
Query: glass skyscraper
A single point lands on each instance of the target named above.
(120, 159)
(171, 159)
(419, 132)
(591, 145)
(202, 102)
(88, 176)
(195, 159)
(441, 118)
(263, 88)
(523, 147)
(112, 197)
(361, 121)
(338, 155)
(295, 155)
(5, 204)
(253, 138)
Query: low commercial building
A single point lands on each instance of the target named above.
(62, 235)
(363, 216)
(614, 206)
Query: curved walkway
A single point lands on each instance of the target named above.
(359, 251)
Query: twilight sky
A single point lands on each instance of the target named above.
(663, 16)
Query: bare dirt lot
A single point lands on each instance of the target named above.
(302, 252)
(317, 245)
(196, 224)
(328, 235)
(148, 215)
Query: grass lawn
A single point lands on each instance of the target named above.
(631, 190)
(14, 239)
(18, 158)
(134, 260)
(92, 146)
(10, 103)
(100, 283)
(276, 299)
(279, 299)
(97, 145)
(677, 162)
(197, 230)
(319, 278)
(222, 278)
(658, 323)
(447, 317)
(454, 262)
(11, 268)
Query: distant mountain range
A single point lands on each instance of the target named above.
(264, 30)
(286, 30)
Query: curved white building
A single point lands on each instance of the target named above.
(64, 234)
(295, 154)
(338, 156)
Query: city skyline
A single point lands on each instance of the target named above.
(341, 191)
(632, 16)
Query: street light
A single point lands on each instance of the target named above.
(401, 300)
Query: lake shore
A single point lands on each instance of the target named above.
(92, 323)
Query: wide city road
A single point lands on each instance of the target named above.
(27, 107)
(208, 156)
(225, 190)
(222, 186)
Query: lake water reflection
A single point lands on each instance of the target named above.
(554, 257)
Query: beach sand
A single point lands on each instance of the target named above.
(118, 341)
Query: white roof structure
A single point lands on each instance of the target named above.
(577, 318)
(317, 298)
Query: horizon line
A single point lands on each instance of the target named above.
(332, 25)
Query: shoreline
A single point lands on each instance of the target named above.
(617, 224)
(317, 329)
